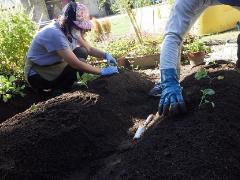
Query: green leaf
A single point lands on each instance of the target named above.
(22, 94)
(12, 79)
(202, 73)
(209, 92)
(6, 97)
(213, 104)
(220, 77)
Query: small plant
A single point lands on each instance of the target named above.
(202, 73)
(206, 93)
(8, 88)
(196, 46)
(85, 78)
(33, 107)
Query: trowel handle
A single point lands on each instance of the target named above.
(148, 120)
(139, 132)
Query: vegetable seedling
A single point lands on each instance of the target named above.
(203, 73)
(206, 93)
(85, 78)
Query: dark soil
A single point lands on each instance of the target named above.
(17, 104)
(73, 131)
(203, 144)
(87, 134)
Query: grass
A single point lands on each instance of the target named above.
(121, 25)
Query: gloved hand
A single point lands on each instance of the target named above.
(171, 101)
(110, 60)
(156, 91)
(108, 70)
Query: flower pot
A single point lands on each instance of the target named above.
(144, 62)
(196, 58)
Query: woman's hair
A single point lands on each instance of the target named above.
(67, 18)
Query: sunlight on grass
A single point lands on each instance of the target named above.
(121, 25)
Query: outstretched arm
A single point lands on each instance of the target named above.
(96, 52)
(75, 63)
(183, 15)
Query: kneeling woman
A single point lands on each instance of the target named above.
(59, 50)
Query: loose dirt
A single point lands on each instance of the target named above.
(86, 134)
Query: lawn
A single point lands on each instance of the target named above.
(121, 25)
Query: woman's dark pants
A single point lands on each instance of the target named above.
(64, 81)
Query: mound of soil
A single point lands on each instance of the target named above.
(203, 144)
(87, 134)
(17, 104)
(74, 131)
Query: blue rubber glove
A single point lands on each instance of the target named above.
(156, 91)
(171, 101)
(108, 70)
(110, 60)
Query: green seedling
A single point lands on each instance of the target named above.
(206, 93)
(85, 78)
(220, 77)
(202, 73)
(33, 107)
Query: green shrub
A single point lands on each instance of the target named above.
(129, 47)
(120, 47)
(9, 88)
(150, 46)
(16, 33)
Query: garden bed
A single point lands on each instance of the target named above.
(87, 134)
(75, 130)
(203, 144)
(144, 62)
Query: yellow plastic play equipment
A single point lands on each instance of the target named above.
(217, 19)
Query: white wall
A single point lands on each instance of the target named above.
(93, 7)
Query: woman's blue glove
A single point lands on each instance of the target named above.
(110, 60)
(171, 101)
(108, 70)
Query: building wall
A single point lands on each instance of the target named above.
(55, 6)
(39, 9)
(43, 10)
(93, 7)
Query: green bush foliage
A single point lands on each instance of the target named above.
(9, 88)
(130, 47)
(16, 33)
